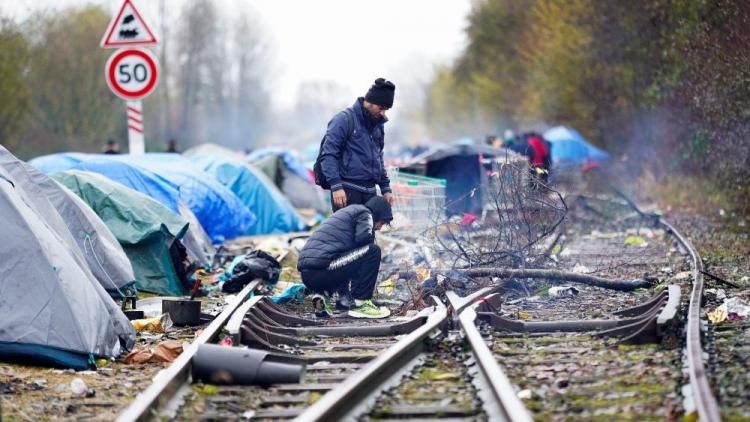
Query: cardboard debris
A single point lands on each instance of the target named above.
(165, 352)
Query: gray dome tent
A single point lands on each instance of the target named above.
(81, 228)
(54, 311)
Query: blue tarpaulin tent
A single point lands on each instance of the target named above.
(218, 210)
(569, 147)
(54, 163)
(274, 211)
(200, 249)
(131, 176)
(290, 161)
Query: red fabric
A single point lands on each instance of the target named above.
(468, 218)
(540, 151)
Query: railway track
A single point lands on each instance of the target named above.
(481, 357)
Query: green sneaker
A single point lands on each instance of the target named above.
(369, 310)
(322, 306)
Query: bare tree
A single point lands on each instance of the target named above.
(200, 77)
(250, 95)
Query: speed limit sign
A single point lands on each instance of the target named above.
(132, 73)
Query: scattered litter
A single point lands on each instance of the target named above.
(600, 235)
(684, 275)
(207, 390)
(556, 249)
(562, 291)
(151, 306)
(422, 274)
(732, 309)
(581, 269)
(715, 294)
(256, 264)
(737, 306)
(386, 286)
(468, 218)
(157, 324)
(164, 352)
(524, 394)
(636, 241)
(273, 246)
(80, 389)
(38, 384)
(295, 292)
(523, 315)
(107, 372)
(248, 414)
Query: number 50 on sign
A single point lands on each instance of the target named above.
(132, 74)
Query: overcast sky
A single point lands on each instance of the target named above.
(349, 41)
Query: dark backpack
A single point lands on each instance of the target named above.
(320, 178)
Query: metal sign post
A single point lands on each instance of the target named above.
(136, 146)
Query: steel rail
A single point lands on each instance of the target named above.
(705, 402)
(167, 382)
(338, 403)
(504, 403)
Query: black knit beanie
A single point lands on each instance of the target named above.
(381, 93)
(380, 208)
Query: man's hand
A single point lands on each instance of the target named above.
(339, 198)
(389, 197)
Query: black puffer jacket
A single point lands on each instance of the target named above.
(347, 229)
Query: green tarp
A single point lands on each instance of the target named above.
(144, 227)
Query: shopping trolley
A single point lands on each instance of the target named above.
(420, 201)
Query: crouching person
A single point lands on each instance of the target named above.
(343, 249)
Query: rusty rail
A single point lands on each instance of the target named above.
(503, 403)
(167, 382)
(705, 402)
(340, 402)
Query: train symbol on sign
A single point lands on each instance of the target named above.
(127, 29)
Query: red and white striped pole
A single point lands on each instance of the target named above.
(136, 145)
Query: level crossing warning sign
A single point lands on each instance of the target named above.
(127, 29)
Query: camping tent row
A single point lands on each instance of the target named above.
(60, 266)
(156, 203)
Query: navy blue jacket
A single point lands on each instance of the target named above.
(355, 162)
(347, 229)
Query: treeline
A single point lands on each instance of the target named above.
(665, 82)
(53, 95)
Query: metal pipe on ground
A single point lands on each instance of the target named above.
(216, 364)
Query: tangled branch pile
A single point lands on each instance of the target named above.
(519, 215)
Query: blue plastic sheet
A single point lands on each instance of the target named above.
(294, 292)
(256, 191)
(568, 146)
(219, 211)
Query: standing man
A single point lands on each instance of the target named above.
(112, 147)
(351, 154)
(343, 250)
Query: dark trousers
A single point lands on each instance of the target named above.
(362, 272)
(353, 197)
